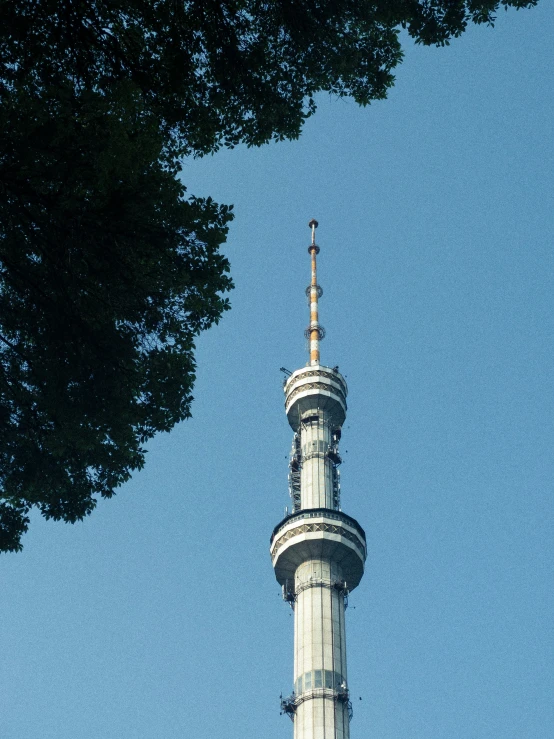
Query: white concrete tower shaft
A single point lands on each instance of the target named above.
(318, 552)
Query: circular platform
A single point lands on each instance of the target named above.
(318, 532)
(315, 388)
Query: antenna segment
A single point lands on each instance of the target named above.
(314, 333)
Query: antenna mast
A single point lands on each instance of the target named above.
(314, 333)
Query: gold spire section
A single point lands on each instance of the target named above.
(314, 331)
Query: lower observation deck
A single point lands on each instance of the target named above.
(318, 532)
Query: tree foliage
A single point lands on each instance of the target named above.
(108, 270)
(223, 72)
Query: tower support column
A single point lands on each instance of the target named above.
(316, 473)
(320, 678)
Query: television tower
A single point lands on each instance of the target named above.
(318, 552)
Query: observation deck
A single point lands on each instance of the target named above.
(314, 388)
(314, 533)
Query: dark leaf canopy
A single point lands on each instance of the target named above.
(224, 72)
(108, 270)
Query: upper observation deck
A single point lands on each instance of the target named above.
(315, 388)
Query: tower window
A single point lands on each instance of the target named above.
(318, 678)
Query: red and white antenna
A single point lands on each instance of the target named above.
(314, 333)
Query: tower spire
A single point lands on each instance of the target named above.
(314, 333)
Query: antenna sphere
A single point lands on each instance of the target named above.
(313, 223)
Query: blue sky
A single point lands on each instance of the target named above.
(159, 616)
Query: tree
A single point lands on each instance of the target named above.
(223, 72)
(108, 273)
(108, 270)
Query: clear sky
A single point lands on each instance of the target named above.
(160, 616)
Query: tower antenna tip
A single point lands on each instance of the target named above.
(313, 224)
